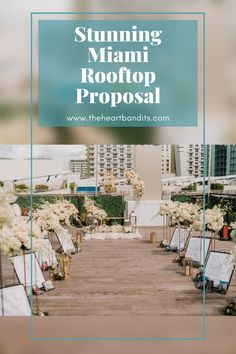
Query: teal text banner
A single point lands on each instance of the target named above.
(118, 73)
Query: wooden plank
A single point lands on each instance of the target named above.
(130, 277)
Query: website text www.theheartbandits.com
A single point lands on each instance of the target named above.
(119, 118)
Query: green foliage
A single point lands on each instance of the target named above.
(113, 205)
(24, 201)
(21, 187)
(232, 217)
(217, 186)
(41, 187)
(1, 184)
(190, 188)
(72, 186)
(181, 198)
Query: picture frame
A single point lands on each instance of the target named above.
(14, 301)
(195, 249)
(179, 238)
(47, 255)
(219, 269)
(48, 285)
(65, 241)
(22, 267)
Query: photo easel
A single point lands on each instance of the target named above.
(219, 270)
(179, 239)
(66, 244)
(14, 301)
(196, 250)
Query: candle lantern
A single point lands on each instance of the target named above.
(90, 218)
(153, 237)
(79, 238)
(65, 265)
(95, 224)
(187, 266)
(126, 222)
(133, 221)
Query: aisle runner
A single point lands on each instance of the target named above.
(113, 236)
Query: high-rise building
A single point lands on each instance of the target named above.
(223, 160)
(232, 161)
(112, 159)
(189, 160)
(166, 159)
(80, 167)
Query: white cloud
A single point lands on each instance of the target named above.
(42, 151)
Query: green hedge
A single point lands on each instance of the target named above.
(113, 205)
(181, 198)
(217, 186)
(190, 188)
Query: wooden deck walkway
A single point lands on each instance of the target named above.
(126, 277)
(129, 277)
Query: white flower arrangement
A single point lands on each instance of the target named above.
(138, 186)
(214, 219)
(51, 216)
(7, 197)
(190, 215)
(66, 211)
(131, 176)
(233, 225)
(108, 184)
(6, 214)
(168, 208)
(21, 229)
(117, 228)
(47, 219)
(6, 211)
(185, 214)
(180, 213)
(15, 231)
(233, 232)
(16, 237)
(90, 207)
(9, 243)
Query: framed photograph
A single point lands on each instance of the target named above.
(179, 238)
(47, 255)
(65, 241)
(14, 302)
(22, 267)
(48, 285)
(196, 249)
(219, 268)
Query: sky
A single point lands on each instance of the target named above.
(42, 151)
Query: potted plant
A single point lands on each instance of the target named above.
(1, 184)
(41, 188)
(21, 188)
(72, 187)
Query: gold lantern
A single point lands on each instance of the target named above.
(187, 266)
(133, 221)
(79, 238)
(66, 265)
(153, 237)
